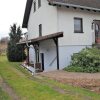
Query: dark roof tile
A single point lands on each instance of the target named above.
(86, 3)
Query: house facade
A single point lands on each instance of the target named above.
(59, 28)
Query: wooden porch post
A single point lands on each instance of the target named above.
(57, 51)
(28, 56)
(36, 47)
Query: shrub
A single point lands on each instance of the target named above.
(73, 69)
(88, 60)
(15, 53)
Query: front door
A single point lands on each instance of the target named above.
(42, 60)
(97, 30)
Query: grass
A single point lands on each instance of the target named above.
(28, 87)
(73, 69)
(3, 95)
(82, 69)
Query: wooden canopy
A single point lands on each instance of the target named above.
(42, 38)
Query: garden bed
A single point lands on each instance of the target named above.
(84, 80)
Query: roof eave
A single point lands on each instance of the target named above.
(24, 26)
(73, 5)
(27, 13)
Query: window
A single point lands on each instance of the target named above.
(40, 30)
(78, 25)
(34, 5)
(39, 3)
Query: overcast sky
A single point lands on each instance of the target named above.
(11, 11)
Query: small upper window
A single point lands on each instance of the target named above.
(78, 25)
(40, 30)
(39, 3)
(34, 5)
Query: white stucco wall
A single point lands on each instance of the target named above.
(32, 54)
(45, 15)
(74, 42)
(55, 19)
(66, 24)
(49, 49)
(50, 56)
(65, 53)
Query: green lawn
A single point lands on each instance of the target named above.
(28, 87)
(3, 95)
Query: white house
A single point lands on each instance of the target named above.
(59, 28)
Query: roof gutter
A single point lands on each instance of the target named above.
(72, 5)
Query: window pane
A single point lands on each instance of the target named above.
(34, 6)
(39, 3)
(40, 30)
(77, 24)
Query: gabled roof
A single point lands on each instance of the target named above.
(27, 13)
(83, 4)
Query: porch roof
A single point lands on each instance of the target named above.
(42, 38)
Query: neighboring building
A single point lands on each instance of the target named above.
(59, 28)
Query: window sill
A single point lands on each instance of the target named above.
(34, 11)
(39, 7)
(79, 32)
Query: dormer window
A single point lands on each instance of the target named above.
(39, 3)
(34, 5)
